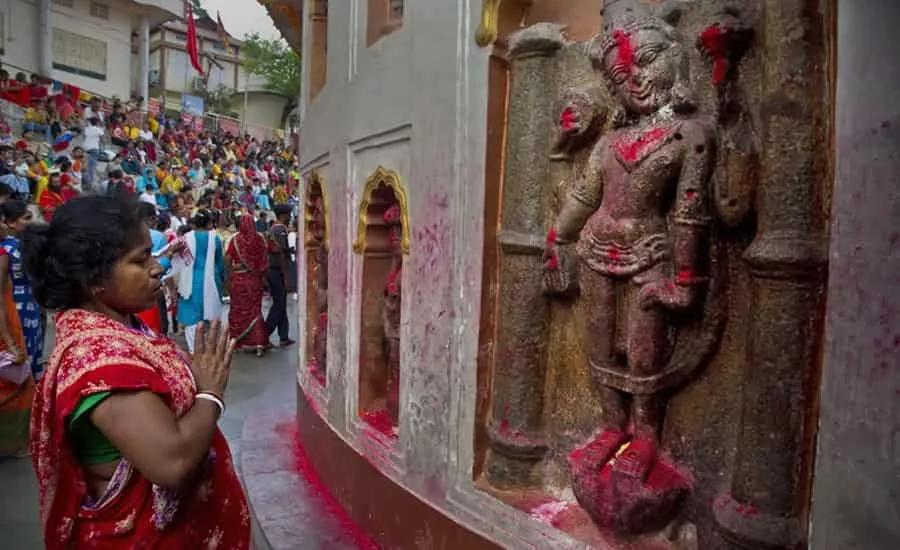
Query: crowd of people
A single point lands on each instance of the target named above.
(220, 208)
(132, 227)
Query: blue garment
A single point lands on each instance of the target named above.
(190, 312)
(28, 308)
(162, 202)
(18, 184)
(147, 181)
(159, 242)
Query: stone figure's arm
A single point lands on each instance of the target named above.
(582, 201)
(692, 201)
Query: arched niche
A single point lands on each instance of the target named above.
(382, 18)
(382, 239)
(316, 245)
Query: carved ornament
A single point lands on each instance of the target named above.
(388, 178)
(490, 23)
(314, 182)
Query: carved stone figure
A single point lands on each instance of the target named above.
(391, 311)
(638, 219)
(320, 338)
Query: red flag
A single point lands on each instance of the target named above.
(193, 50)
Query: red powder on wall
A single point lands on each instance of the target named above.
(320, 492)
(380, 421)
(714, 43)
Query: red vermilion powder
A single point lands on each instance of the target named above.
(320, 492)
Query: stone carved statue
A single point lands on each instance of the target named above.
(320, 338)
(633, 239)
(391, 311)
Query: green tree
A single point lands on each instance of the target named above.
(218, 100)
(199, 10)
(278, 64)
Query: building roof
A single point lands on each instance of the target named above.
(286, 14)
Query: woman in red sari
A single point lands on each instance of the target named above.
(123, 435)
(248, 261)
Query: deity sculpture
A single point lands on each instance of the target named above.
(391, 311)
(320, 336)
(637, 219)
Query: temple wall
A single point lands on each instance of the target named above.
(461, 119)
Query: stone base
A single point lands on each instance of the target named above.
(627, 505)
(392, 515)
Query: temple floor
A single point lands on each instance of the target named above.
(261, 410)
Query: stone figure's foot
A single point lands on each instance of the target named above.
(597, 452)
(637, 460)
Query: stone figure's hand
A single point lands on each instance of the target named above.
(667, 294)
(560, 269)
(570, 119)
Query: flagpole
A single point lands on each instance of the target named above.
(246, 97)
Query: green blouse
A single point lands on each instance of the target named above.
(88, 442)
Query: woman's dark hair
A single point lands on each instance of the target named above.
(147, 211)
(203, 219)
(14, 209)
(76, 253)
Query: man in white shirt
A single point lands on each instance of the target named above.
(93, 132)
(93, 110)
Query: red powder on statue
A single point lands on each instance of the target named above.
(626, 49)
(685, 276)
(568, 120)
(714, 43)
(631, 151)
(320, 493)
(552, 262)
(614, 254)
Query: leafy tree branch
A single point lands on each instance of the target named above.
(277, 64)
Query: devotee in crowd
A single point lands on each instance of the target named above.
(17, 218)
(279, 279)
(16, 378)
(248, 263)
(125, 427)
(201, 277)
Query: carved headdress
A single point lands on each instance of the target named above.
(622, 19)
(628, 16)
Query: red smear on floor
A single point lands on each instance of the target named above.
(320, 492)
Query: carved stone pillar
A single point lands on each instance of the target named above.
(515, 427)
(765, 506)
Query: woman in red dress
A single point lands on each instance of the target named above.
(123, 435)
(248, 260)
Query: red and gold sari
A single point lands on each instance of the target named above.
(96, 354)
(248, 252)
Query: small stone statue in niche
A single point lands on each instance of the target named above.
(391, 311)
(638, 218)
(320, 337)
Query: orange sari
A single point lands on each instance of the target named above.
(15, 400)
(95, 354)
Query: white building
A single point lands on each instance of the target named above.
(174, 76)
(85, 43)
